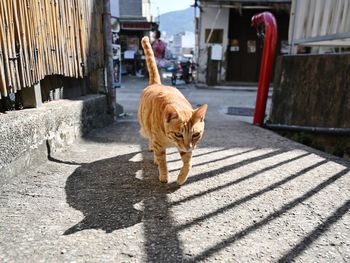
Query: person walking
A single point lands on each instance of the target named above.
(159, 48)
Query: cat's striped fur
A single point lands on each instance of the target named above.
(167, 119)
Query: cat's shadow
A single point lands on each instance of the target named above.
(112, 193)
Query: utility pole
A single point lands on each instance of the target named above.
(196, 33)
(196, 42)
(108, 59)
(158, 15)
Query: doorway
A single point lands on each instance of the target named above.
(244, 48)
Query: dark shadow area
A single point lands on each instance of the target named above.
(316, 233)
(106, 192)
(162, 242)
(285, 208)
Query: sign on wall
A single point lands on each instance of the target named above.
(116, 52)
(251, 46)
(216, 52)
(234, 45)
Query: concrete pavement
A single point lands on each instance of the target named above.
(252, 196)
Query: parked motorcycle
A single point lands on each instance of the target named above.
(184, 72)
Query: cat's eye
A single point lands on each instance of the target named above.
(178, 134)
(196, 134)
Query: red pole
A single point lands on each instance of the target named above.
(267, 60)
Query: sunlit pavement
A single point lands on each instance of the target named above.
(252, 196)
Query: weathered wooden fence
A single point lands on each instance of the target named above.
(48, 37)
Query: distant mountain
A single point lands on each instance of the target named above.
(177, 21)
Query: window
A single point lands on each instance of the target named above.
(216, 36)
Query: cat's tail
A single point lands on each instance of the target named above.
(154, 77)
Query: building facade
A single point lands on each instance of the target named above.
(183, 44)
(225, 31)
(135, 22)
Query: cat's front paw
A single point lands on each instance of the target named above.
(181, 179)
(164, 178)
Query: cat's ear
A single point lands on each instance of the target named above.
(170, 113)
(199, 114)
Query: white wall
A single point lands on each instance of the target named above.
(114, 8)
(146, 9)
(182, 40)
(188, 40)
(207, 21)
(176, 47)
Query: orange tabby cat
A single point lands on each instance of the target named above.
(168, 119)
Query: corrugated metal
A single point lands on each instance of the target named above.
(315, 21)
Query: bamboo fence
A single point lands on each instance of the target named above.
(48, 37)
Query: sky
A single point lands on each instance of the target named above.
(166, 6)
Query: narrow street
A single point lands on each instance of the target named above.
(252, 196)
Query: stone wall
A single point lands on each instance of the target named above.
(312, 90)
(29, 136)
